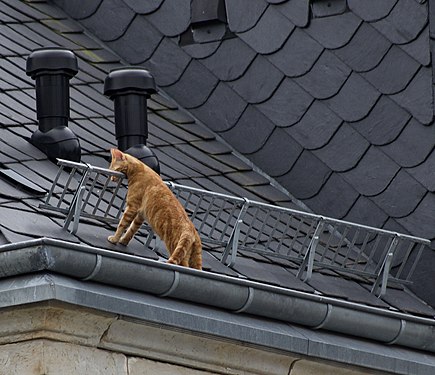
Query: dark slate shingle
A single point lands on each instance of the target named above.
(390, 77)
(335, 31)
(326, 200)
(270, 32)
(371, 10)
(365, 50)
(417, 98)
(344, 150)
(144, 7)
(412, 146)
(222, 109)
(384, 123)
(230, 60)
(297, 55)
(305, 185)
(259, 81)
(392, 200)
(288, 104)
(167, 63)
(172, 17)
(110, 20)
(366, 212)
(79, 9)
(424, 172)
(278, 154)
(316, 127)
(418, 48)
(250, 132)
(373, 173)
(326, 77)
(355, 99)
(244, 14)
(194, 86)
(404, 22)
(139, 41)
(297, 11)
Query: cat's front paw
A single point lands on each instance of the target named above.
(124, 241)
(112, 239)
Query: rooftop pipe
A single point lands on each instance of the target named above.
(130, 88)
(52, 68)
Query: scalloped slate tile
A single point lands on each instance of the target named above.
(392, 200)
(167, 63)
(344, 150)
(222, 109)
(365, 212)
(278, 154)
(144, 7)
(270, 32)
(194, 86)
(230, 60)
(373, 173)
(110, 20)
(404, 22)
(391, 77)
(335, 31)
(419, 48)
(297, 11)
(421, 222)
(412, 146)
(251, 131)
(326, 77)
(365, 50)
(297, 55)
(371, 10)
(172, 17)
(424, 172)
(326, 202)
(355, 99)
(384, 123)
(201, 50)
(259, 81)
(244, 14)
(287, 105)
(417, 98)
(316, 127)
(301, 184)
(139, 41)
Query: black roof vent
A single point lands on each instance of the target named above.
(130, 88)
(208, 23)
(52, 68)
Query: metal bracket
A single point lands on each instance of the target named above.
(382, 279)
(233, 241)
(308, 262)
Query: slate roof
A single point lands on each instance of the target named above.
(314, 94)
(247, 104)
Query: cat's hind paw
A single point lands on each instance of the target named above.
(112, 239)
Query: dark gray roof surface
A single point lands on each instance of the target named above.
(327, 167)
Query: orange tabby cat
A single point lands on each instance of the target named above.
(148, 198)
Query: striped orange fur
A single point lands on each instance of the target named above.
(148, 198)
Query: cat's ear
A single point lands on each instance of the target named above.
(116, 154)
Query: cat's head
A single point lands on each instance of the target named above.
(119, 162)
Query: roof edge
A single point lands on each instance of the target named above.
(214, 290)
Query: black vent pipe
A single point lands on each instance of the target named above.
(52, 68)
(130, 88)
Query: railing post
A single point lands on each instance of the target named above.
(308, 262)
(233, 241)
(384, 272)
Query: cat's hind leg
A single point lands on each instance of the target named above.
(124, 223)
(132, 229)
(195, 260)
(181, 253)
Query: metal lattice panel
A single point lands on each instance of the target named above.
(231, 224)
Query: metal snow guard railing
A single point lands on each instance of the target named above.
(229, 225)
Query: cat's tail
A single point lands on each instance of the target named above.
(195, 260)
